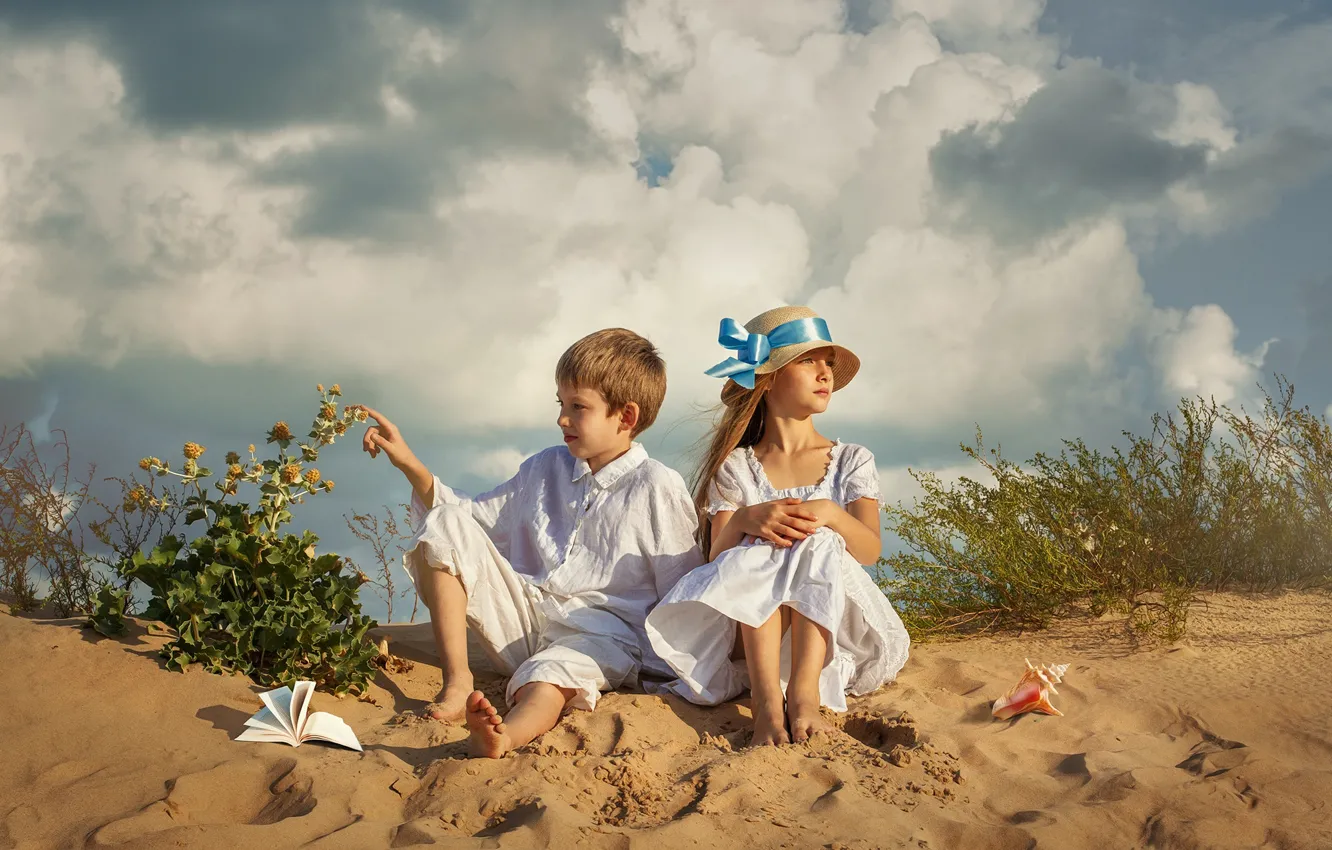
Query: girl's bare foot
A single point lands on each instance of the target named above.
(769, 725)
(488, 739)
(450, 703)
(805, 717)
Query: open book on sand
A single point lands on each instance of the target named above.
(283, 720)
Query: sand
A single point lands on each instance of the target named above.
(1220, 740)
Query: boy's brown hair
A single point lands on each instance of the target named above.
(622, 366)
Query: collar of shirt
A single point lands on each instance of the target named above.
(613, 471)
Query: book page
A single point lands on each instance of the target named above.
(329, 727)
(258, 733)
(279, 703)
(300, 703)
(266, 720)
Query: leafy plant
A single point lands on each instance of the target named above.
(245, 596)
(1211, 500)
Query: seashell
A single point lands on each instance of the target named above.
(1032, 692)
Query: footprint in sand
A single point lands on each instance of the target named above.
(882, 732)
(1207, 761)
(1213, 755)
(244, 791)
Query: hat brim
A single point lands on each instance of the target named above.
(848, 364)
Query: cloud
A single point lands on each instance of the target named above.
(1197, 356)
(1272, 71)
(1089, 142)
(899, 484)
(40, 425)
(241, 65)
(498, 464)
(478, 201)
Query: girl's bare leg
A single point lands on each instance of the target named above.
(444, 595)
(536, 710)
(762, 652)
(809, 647)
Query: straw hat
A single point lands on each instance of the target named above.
(812, 335)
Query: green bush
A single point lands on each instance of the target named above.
(1211, 500)
(243, 596)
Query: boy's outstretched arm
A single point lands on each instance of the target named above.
(384, 436)
(489, 509)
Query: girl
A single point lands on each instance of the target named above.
(787, 518)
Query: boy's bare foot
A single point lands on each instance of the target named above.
(769, 726)
(450, 705)
(805, 717)
(488, 739)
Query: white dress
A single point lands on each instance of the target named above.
(693, 627)
(561, 565)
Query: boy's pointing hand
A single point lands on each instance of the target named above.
(385, 436)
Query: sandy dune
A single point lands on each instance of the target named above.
(1221, 740)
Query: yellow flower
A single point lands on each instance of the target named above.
(280, 432)
(328, 411)
(235, 470)
(258, 469)
(147, 463)
(251, 448)
(339, 427)
(319, 387)
(328, 486)
(135, 499)
(193, 451)
(312, 476)
(335, 390)
(291, 473)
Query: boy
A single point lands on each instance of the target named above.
(556, 568)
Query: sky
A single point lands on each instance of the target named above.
(1046, 219)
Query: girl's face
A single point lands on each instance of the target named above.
(803, 386)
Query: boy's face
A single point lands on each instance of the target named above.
(592, 431)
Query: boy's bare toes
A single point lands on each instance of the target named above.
(487, 738)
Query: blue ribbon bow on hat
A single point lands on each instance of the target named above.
(753, 350)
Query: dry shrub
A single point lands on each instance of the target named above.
(41, 538)
(385, 539)
(1213, 499)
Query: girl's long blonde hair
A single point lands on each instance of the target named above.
(741, 424)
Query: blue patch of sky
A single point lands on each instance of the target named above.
(655, 164)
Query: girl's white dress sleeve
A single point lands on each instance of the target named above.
(693, 628)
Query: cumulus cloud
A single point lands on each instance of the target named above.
(1197, 356)
(499, 464)
(1087, 142)
(899, 484)
(462, 193)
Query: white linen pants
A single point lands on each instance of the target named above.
(510, 614)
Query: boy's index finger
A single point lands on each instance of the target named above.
(380, 419)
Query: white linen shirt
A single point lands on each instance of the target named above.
(602, 547)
